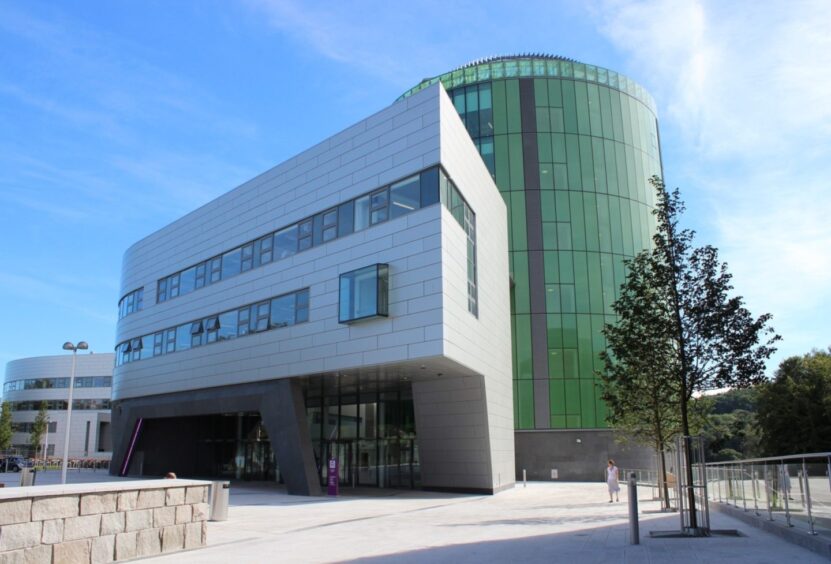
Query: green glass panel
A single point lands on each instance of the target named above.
(622, 176)
(500, 116)
(547, 208)
(560, 176)
(626, 226)
(512, 101)
(631, 173)
(546, 176)
(558, 148)
(503, 169)
(564, 236)
(587, 393)
(516, 404)
(543, 120)
(595, 282)
(569, 321)
(599, 159)
(551, 267)
(556, 117)
(573, 422)
(541, 93)
(555, 364)
(513, 342)
(552, 297)
(526, 404)
(566, 267)
(569, 107)
(555, 97)
(615, 225)
(646, 236)
(573, 160)
(582, 99)
(604, 223)
(515, 157)
(557, 398)
(544, 147)
(578, 228)
(572, 389)
(567, 299)
(555, 330)
(519, 233)
(595, 122)
(611, 167)
(549, 235)
(581, 282)
(586, 164)
(619, 274)
(523, 347)
(558, 421)
(606, 113)
(607, 271)
(570, 363)
(636, 228)
(598, 340)
(617, 117)
(584, 345)
(627, 122)
(563, 207)
(601, 412)
(590, 210)
(522, 301)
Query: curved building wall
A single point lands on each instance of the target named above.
(30, 381)
(571, 148)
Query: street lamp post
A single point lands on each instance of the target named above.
(67, 346)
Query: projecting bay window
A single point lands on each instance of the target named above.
(364, 293)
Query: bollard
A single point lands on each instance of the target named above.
(634, 533)
(524, 481)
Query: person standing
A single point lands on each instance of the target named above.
(612, 474)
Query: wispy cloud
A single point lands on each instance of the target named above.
(744, 87)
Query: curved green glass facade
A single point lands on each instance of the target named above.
(571, 147)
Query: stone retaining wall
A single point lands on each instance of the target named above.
(105, 522)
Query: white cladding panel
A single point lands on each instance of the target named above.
(396, 142)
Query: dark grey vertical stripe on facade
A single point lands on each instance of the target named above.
(536, 269)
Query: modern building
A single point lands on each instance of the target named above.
(31, 381)
(571, 147)
(350, 304)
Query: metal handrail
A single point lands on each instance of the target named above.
(772, 458)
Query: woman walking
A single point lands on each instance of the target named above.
(612, 480)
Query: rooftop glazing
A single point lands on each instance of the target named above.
(535, 66)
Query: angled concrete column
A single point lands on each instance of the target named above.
(284, 415)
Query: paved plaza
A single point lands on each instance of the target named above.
(545, 522)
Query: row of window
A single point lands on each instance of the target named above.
(48, 383)
(453, 200)
(389, 202)
(59, 405)
(27, 427)
(281, 311)
(131, 303)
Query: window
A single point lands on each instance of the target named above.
(183, 337)
(170, 340)
(227, 326)
(216, 269)
(211, 329)
(364, 293)
(196, 333)
(330, 225)
(378, 206)
(362, 213)
(161, 292)
(131, 303)
(404, 197)
(243, 319)
(285, 242)
(301, 312)
(304, 236)
(158, 344)
(259, 322)
(199, 275)
(173, 286)
(231, 263)
(263, 250)
(247, 260)
(464, 215)
(187, 281)
(282, 311)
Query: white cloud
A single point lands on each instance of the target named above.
(745, 97)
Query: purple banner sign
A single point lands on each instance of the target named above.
(332, 476)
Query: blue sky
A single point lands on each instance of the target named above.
(118, 117)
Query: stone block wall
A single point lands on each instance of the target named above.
(124, 521)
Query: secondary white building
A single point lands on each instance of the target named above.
(31, 381)
(352, 303)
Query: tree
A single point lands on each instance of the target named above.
(700, 338)
(795, 409)
(39, 428)
(5, 426)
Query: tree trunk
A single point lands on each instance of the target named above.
(688, 473)
(664, 486)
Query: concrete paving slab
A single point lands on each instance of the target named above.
(545, 522)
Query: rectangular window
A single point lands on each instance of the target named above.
(405, 196)
(183, 337)
(161, 292)
(170, 344)
(173, 286)
(158, 343)
(243, 318)
(187, 281)
(285, 242)
(364, 293)
(199, 275)
(282, 311)
(362, 213)
(231, 263)
(211, 329)
(216, 269)
(378, 206)
(301, 306)
(196, 331)
(330, 225)
(304, 235)
(260, 321)
(247, 260)
(263, 250)
(227, 326)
